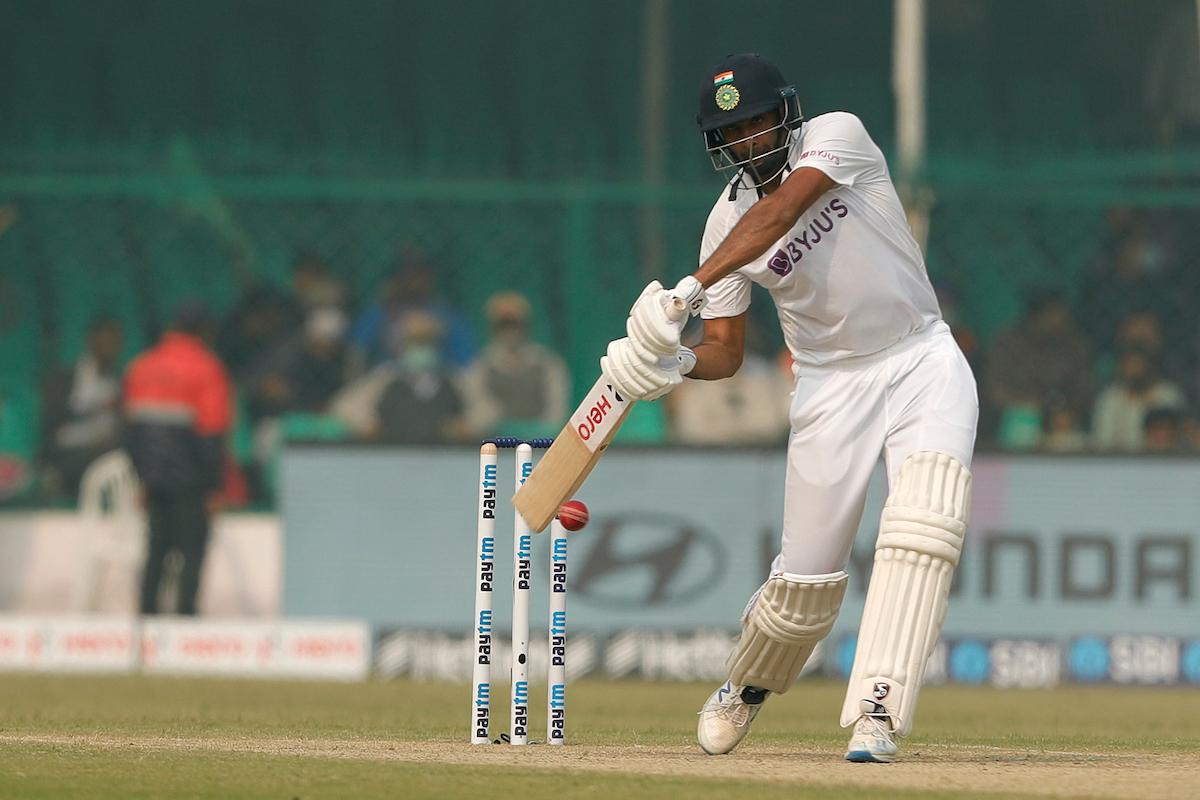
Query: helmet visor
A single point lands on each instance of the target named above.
(763, 158)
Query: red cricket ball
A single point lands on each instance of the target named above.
(573, 515)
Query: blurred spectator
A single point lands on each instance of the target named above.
(410, 398)
(515, 380)
(304, 372)
(262, 319)
(420, 403)
(1131, 278)
(313, 285)
(749, 408)
(1120, 411)
(1164, 431)
(178, 408)
(81, 406)
(378, 330)
(1062, 431)
(1041, 358)
(1143, 330)
(298, 377)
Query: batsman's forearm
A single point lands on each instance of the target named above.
(760, 228)
(714, 362)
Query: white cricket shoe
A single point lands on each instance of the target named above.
(874, 740)
(726, 717)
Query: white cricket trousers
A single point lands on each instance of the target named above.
(918, 394)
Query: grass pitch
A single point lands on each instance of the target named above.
(133, 737)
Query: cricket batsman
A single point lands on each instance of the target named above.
(810, 213)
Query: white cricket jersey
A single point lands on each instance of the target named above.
(848, 279)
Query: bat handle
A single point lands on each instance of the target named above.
(676, 309)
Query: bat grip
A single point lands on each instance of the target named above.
(676, 309)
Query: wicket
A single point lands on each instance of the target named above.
(485, 575)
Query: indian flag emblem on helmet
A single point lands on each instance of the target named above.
(728, 97)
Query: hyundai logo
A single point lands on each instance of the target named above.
(647, 559)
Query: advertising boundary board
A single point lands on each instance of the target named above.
(1004, 663)
(1058, 548)
(296, 648)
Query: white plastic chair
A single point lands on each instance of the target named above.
(111, 513)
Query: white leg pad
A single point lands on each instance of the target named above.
(782, 626)
(920, 540)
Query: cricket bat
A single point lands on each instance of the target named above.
(585, 437)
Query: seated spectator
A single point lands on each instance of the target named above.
(1120, 411)
(301, 375)
(749, 408)
(409, 399)
(515, 380)
(1132, 276)
(1164, 431)
(82, 406)
(410, 290)
(1062, 432)
(1143, 330)
(263, 318)
(313, 285)
(1041, 357)
(420, 403)
(305, 372)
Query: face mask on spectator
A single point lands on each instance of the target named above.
(419, 358)
(509, 332)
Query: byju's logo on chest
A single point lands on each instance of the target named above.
(814, 231)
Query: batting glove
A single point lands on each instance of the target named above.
(636, 377)
(654, 332)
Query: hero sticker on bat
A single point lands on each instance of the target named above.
(596, 416)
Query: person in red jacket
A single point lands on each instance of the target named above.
(178, 407)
